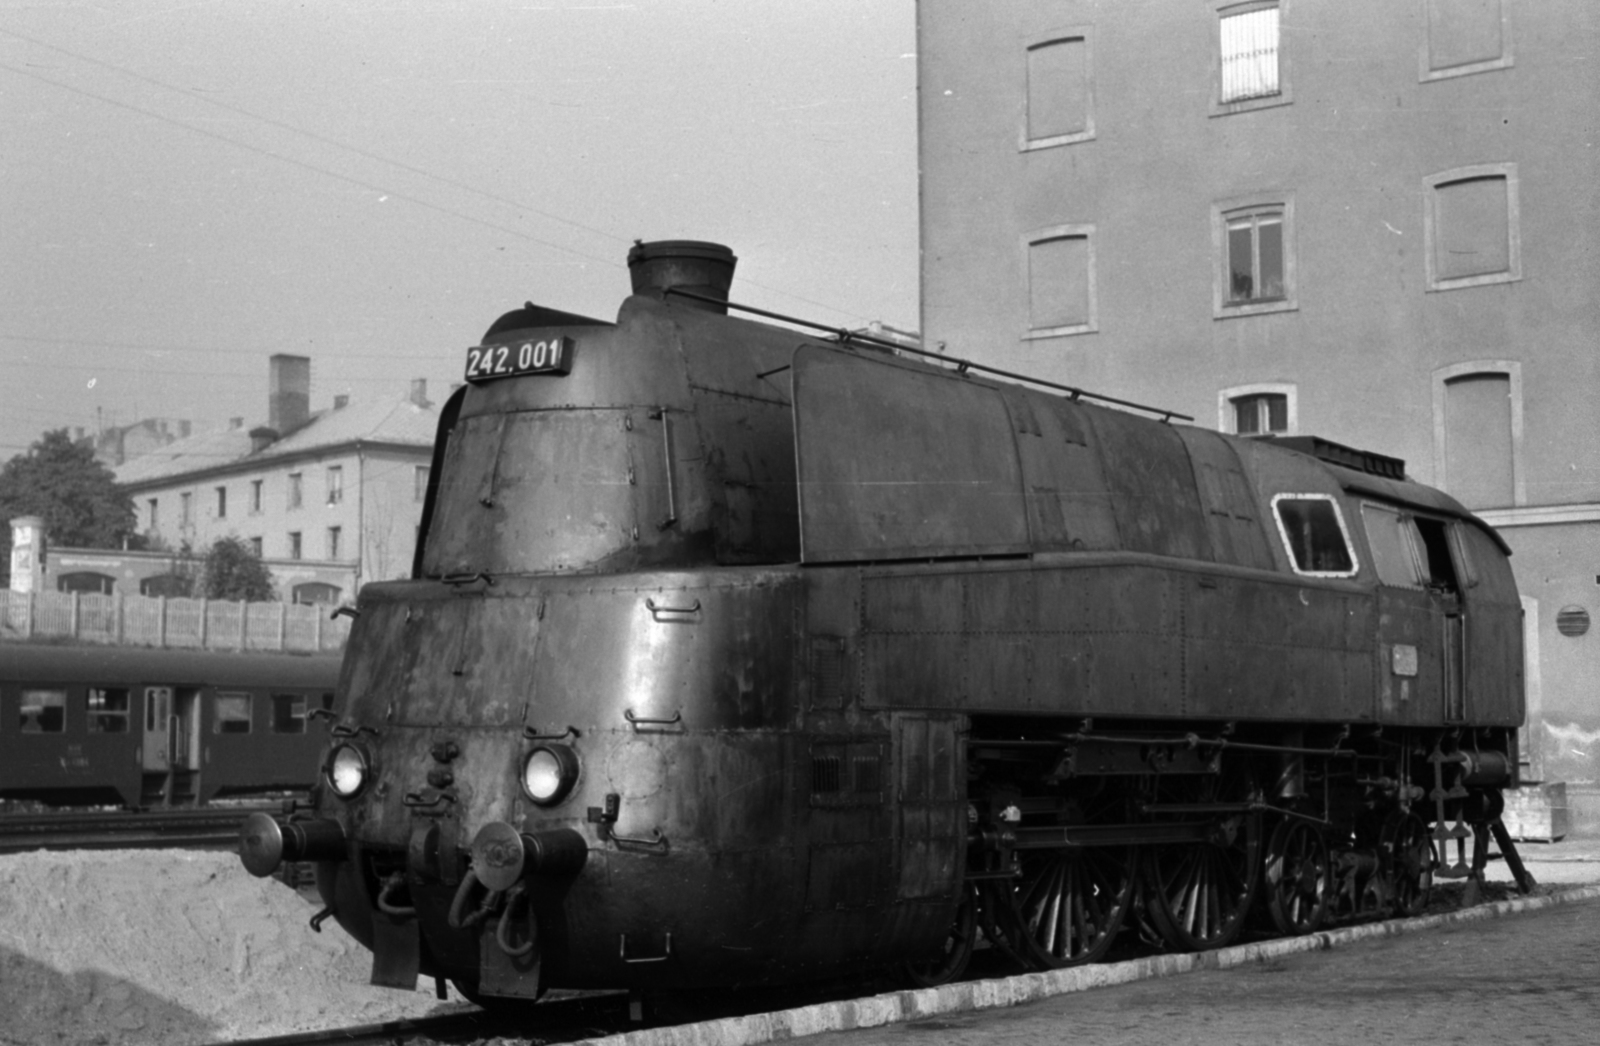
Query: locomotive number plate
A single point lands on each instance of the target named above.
(550, 356)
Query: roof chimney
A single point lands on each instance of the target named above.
(288, 392)
(235, 423)
(419, 392)
(340, 402)
(695, 266)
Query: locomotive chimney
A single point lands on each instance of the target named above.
(288, 392)
(695, 266)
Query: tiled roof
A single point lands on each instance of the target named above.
(392, 421)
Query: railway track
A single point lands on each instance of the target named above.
(211, 828)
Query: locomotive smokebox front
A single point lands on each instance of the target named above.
(703, 270)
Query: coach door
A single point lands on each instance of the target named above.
(170, 746)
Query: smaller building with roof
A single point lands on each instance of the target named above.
(329, 500)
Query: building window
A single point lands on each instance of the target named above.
(1470, 222)
(1060, 273)
(1312, 528)
(155, 516)
(255, 497)
(108, 710)
(185, 509)
(1257, 411)
(1464, 36)
(335, 484)
(296, 489)
(222, 502)
(294, 544)
(1255, 258)
(419, 483)
(1251, 71)
(1477, 433)
(334, 533)
(1060, 107)
(255, 546)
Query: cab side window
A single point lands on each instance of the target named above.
(1312, 529)
(1393, 539)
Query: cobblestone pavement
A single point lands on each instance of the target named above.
(1530, 978)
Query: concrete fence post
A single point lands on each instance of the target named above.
(161, 621)
(244, 623)
(72, 629)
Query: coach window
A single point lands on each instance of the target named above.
(108, 710)
(288, 713)
(1312, 529)
(44, 711)
(233, 713)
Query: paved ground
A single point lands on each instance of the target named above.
(1530, 978)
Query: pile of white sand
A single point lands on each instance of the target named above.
(130, 947)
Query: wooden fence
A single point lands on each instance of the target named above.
(162, 622)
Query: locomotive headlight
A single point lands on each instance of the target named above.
(347, 770)
(549, 773)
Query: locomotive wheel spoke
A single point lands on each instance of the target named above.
(1070, 904)
(1409, 859)
(1298, 876)
(951, 960)
(1198, 894)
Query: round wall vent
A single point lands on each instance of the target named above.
(1572, 621)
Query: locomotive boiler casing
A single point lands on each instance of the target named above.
(786, 618)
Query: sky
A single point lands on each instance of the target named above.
(189, 188)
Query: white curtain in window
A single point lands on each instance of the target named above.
(1250, 54)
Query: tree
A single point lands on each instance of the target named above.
(77, 497)
(232, 570)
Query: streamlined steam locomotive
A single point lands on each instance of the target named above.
(735, 655)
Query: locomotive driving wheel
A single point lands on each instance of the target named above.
(1199, 894)
(1407, 847)
(1298, 876)
(1070, 903)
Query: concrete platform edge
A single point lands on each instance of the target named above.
(896, 1007)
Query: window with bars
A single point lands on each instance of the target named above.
(1251, 71)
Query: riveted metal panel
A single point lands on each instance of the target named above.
(1068, 507)
(1265, 649)
(1152, 486)
(1237, 535)
(898, 461)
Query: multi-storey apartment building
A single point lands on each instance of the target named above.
(1374, 221)
(329, 500)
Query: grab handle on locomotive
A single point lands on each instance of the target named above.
(640, 720)
(622, 952)
(531, 733)
(669, 615)
(416, 800)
